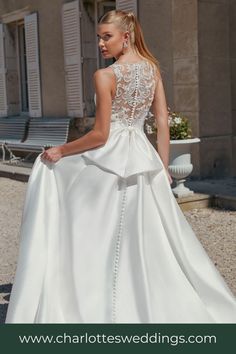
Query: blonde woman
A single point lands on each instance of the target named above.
(103, 239)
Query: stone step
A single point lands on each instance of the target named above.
(19, 173)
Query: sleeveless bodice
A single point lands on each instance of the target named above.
(128, 151)
(135, 87)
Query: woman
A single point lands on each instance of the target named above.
(103, 239)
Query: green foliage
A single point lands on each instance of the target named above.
(178, 124)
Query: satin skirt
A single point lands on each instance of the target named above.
(99, 247)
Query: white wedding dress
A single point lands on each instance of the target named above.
(103, 239)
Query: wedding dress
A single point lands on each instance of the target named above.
(103, 239)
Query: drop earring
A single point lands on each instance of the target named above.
(125, 45)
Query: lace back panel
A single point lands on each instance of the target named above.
(135, 88)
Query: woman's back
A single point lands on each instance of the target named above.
(128, 151)
(135, 88)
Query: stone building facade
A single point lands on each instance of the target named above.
(48, 54)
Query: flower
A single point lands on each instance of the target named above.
(178, 124)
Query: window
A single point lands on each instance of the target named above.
(19, 65)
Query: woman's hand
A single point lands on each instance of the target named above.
(169, 176)
(53, 154)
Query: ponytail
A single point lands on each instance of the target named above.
(140, 45)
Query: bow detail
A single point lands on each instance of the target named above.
(135, 133)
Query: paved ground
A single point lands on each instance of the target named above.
(215, 228)
(222, 186)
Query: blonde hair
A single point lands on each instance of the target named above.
(127, 21)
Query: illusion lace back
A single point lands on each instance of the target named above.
(114, 245)
(135, 88)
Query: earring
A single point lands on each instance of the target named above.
(125, 45)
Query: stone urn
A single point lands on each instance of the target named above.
(180, 165)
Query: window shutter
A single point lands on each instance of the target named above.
(127, 5)
(32, 60)
(72, 58)
(3, 91)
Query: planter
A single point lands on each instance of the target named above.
(180, 165)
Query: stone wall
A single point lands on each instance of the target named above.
(215, 105)
(186, 67)
(194, 41)
(232, 44)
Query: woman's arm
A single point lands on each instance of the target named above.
(160, 111)
(104, 85)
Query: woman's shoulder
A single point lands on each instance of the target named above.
(104, 78)
(103, 73)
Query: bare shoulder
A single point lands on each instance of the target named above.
(104, 74)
